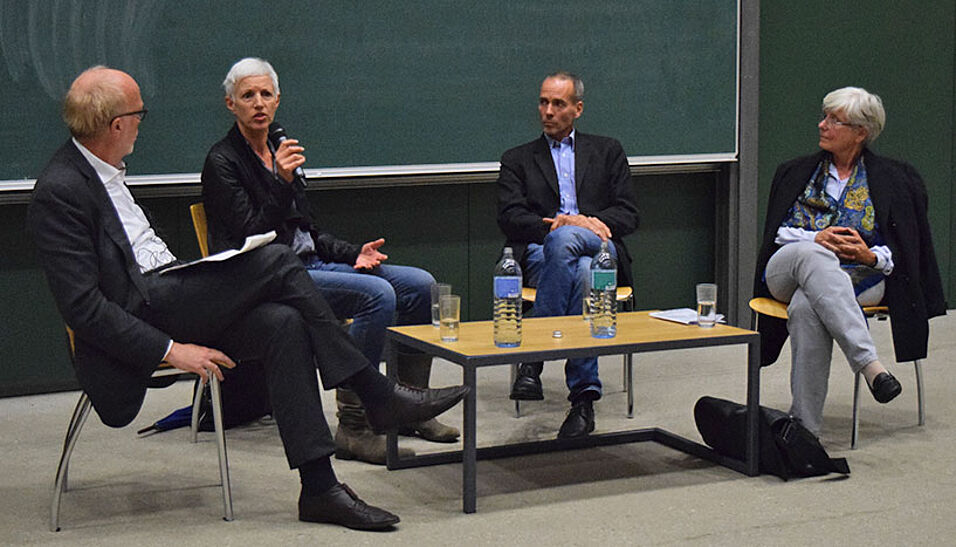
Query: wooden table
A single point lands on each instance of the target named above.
(637, 332)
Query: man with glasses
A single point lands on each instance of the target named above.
(559, 197)
(105, 266)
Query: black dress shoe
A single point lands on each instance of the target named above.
(885, 387)
(410, 405)
(340, 505)
(527, 386)
(579, 422)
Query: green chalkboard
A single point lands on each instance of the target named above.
(373, 83)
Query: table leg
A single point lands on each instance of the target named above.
(391, 436)
(629, 382)
(469, 448)
(753, 408)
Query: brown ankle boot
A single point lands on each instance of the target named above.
(354, 439)
(414, 370)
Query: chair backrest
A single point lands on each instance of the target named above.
(71, 341)
(198, 212)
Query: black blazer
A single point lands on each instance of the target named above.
(914, 291)
(243, 198)
(96, 283)
(528, 191)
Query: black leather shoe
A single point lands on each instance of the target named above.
(579, 422)
(340, 505)
(409, 405)
(527, 386)
(885, 387)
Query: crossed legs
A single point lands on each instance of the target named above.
(822, 308)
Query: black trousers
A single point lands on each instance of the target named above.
(263, 306)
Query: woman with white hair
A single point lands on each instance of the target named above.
(846, 228)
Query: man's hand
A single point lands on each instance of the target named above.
(847, 244)
(289, 156)
(594, 224)
(198, 360)
(369, 257)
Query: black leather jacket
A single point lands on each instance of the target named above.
(242, 197)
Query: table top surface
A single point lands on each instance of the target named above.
(635, 331)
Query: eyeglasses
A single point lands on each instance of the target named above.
(828, 120)
(141, 114)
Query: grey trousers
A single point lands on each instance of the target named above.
(822, 308)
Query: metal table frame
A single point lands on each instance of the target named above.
(470, 363)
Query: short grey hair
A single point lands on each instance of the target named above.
(860, 107)
(250, 66)
(575, 80)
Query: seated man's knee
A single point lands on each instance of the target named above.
(565, 239)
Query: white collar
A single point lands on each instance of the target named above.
(104, 170)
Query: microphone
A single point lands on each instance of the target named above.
(276, 136)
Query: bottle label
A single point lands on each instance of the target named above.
(507, 287)
(602, 280)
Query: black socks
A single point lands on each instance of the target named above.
(370, 385)
(317, 476)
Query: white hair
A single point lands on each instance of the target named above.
(250, 66)
(860, 107)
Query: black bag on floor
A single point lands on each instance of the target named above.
(245, 397)
(787, 449)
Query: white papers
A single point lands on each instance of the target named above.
(252, 242)
(686, 316)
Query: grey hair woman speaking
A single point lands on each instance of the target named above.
(846, 227)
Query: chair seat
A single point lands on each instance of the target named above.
(775, 308)
(528, 294)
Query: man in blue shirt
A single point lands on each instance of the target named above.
(559, 196)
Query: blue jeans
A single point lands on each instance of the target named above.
(375, 299)
(559, 270)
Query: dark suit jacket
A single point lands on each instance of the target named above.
(96, 283)
(243, 198)
(528, 191)
(914, 291)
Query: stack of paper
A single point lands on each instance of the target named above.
(686, 316)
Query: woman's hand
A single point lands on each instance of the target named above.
(289, 156)
(847, 244)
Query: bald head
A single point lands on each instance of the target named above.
(97, 96)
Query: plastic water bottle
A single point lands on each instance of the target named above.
(603, 301)
(507, 301)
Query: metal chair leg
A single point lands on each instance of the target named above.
(855, 431)
(919, 391)
(80, 413)
(221, 445)
(514, 376)
(194, 421)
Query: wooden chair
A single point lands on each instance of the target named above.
(625, 297)
(198, 212)
(82, 411)
(775, 308)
